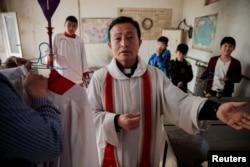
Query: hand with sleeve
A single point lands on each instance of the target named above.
(17, 61)
(180, 84)
(158, 51)
(28, 128)
(35, 85)
(129, 121)
(231, 114)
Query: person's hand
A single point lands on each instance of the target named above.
(223, 79)
(180, 84)
(84, 81)
(198, 79)
(231, 114)
(16, 61)
(35, 85)
(28, 65)
(158, 51)
(129, 121)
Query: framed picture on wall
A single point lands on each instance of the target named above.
(207, 2)
(95, 30)
(204, 32)
(151, 20)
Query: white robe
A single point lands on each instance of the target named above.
(70, 53)
(177, 107)
(79, 141)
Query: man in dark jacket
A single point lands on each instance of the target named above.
(222, 71)
(180, 69)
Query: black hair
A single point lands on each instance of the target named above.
(229, 40)
(72, 19)
(163, 39)
(183, 48)
(124, 19)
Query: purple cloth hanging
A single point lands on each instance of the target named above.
(49, 7)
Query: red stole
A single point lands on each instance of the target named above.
(109, 158)
(147, 122)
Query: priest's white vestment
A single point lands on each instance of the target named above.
(177, 107)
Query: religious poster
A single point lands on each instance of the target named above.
(95, 30)
(204, 32)
(151, 20)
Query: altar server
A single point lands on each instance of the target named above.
(69, 53)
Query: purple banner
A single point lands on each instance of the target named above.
(48, 7)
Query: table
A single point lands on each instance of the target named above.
(191, 150)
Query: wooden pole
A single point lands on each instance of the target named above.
(50, 57)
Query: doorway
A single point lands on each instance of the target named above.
(11, 33)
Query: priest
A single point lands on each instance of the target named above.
(128, 99)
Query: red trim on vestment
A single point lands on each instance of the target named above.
(147, 123)
(58, 84)
(70, 36)
(109, 158)
(109, 94)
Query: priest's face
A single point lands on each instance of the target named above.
(124, 44)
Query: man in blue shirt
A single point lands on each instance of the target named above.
(28, 135)
(161, 58)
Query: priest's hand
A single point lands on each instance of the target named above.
(129, 121)
(231, 114)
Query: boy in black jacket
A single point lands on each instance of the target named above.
(180, 69)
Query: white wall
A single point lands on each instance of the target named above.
(101, 52)
(33, 24)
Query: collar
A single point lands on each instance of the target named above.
(128, 71)
(68, 35)
(138, 69)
